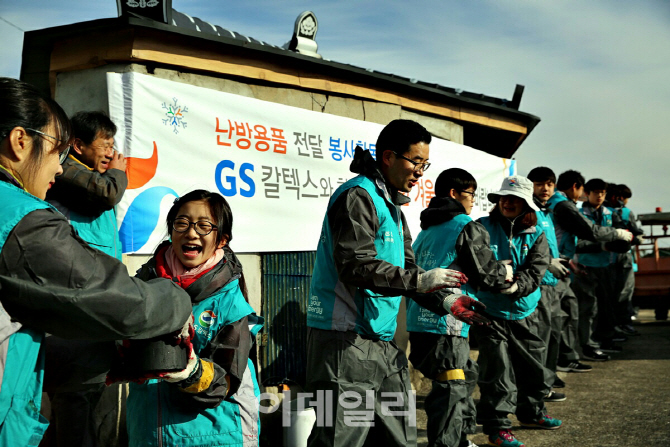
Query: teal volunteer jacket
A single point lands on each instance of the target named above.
(219, 404)
(52, 281)
(364, 259)
(449, 238)
(528, 250)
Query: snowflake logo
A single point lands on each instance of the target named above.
(174, 115)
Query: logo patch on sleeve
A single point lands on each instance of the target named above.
(206, 318)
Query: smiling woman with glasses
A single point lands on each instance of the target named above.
(51, 281)
(214, 399)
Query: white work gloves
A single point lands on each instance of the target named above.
(510, 290)
(187, 331)
(509, 277)
(184, 336)
(640, 240)
(509, 273)
(558, 268)
(439, 278)
(624, 235)
(191, 366)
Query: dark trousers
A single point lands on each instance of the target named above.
(449, 405)
(512, 377)
(597, 304)
(362, 390)
(548, 317)
(74, 377)
(623, 279)
(569, 341)
(73, 417)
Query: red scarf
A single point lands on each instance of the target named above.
(163, 270)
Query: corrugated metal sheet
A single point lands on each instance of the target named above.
(286, 279)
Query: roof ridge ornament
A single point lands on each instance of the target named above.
(158, 10)
(304, 35)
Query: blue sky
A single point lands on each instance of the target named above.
(596, 72)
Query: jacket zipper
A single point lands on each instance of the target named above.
(402, 238)
(511, 234)
(113, 221)
(511, 246)
(160, 415)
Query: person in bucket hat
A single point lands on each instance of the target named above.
(516, 186)
(518, 386)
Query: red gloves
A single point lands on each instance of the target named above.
(465, 309)
(439, 278)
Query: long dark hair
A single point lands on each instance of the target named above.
(25, 106)
(221, 213)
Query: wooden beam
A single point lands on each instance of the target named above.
(242, 68)
(150, 46)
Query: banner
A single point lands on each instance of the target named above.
(276, 165)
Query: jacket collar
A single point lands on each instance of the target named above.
(7, 176)
(205, 285)
(513, 226)
(440, 210)
(71, 159)
(544, 208)
(365, 164)
(602, 211)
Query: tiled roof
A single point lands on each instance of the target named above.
(185, 21)
(193, 23)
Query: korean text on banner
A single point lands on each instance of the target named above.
(276, 165)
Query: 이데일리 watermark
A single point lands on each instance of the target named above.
(357, 410)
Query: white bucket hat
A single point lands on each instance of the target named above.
(517, 186)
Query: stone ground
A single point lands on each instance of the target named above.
(622, 402)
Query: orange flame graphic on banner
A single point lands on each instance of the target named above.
(141, 170)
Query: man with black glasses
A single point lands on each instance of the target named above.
(364, 263)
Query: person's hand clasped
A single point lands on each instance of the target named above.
(624, 235)
(439, 278)
(466, 309)
(191, 367)
(558, 268)
(510, 290)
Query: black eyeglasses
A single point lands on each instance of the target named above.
(472, 193)
(417, 166)
(62, 156)
(202, 227)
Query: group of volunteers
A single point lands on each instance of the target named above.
(543, 283)
(508, 275)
